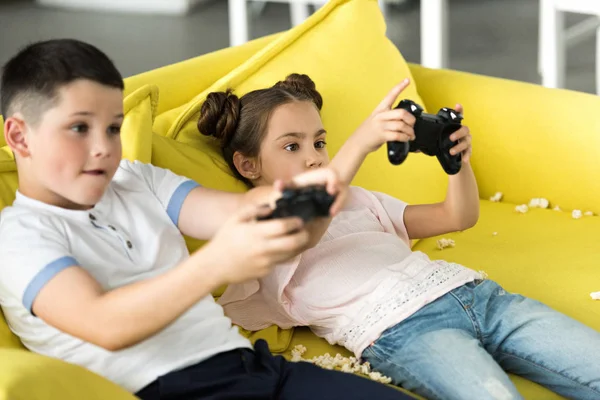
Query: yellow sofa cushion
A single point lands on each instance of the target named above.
(185, 80)
(136, 135)
(24, 375)
(543, 254)
(528, 141)
(343, 47)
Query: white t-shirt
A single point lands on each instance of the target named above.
(129, 236)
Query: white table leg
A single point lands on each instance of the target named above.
(238, 22)
(598, 61)
(434, 33)
(553, 45)
(383, 6)
(299, 11)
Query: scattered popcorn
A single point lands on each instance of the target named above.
(376, 376)
(497, 197)
(495, 234)
(297, 353)
(443, 243)
(557, 208)
(483, 275)
(576, 214)
(539, 203)
(588, 214)
(595, 296)
(345, 364)
(522, 208)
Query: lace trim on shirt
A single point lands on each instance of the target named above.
(391, 303)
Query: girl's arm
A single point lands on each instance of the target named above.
(459, 211)
(383, 125)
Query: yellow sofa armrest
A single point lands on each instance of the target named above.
(25, 375)
(528, 141)
(208, 68)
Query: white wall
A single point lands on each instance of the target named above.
(176, 7)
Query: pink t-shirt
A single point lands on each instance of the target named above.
(361, 279)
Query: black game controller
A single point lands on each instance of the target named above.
(432, 137)
(307, 203)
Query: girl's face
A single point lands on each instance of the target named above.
(294, 143)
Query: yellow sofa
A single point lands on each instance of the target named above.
(529, 142)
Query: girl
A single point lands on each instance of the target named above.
(436, 328)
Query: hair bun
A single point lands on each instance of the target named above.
(219, 116)
(301, 83)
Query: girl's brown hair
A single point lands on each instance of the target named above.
(240, 124)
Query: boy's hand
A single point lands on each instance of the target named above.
(463, 136)
(386, 125)
(327, 177)
(245, 248)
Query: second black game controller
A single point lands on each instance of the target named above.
(307, 203)
(432, 137)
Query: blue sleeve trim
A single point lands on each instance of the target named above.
(176, 202)
(43, 277)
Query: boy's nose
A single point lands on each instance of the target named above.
(101, 147)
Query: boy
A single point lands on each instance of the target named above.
(94, 267)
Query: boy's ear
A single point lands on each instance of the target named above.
(247, 166)
(14, 135)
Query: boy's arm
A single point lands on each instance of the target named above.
(73, 302)
(205, 210)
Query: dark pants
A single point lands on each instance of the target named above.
(246, 374)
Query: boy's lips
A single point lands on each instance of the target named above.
(95, 172)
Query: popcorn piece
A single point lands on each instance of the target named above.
(339, 362)
(443, 243)
(576, 214)
(539, 203)
(497, 197)
(588, 214)
(522, 208)
(557, 208)
(595, 296)
(495, 234)
(376, 376)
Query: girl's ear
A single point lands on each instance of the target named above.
(248, 167)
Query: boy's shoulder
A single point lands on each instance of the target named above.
(20, 223)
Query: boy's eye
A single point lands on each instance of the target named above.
(114, 129)
(321, 144)
(292, 147)
(80, 128)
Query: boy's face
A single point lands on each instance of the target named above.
(71, 155)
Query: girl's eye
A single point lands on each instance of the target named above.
(80, 128)
(114, 129)
(321, 144)
(292, 147)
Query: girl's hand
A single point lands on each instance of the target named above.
(463, 137)
(386, 125)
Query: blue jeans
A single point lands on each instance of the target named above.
(460, 346)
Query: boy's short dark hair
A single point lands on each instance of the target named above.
(31, 79)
